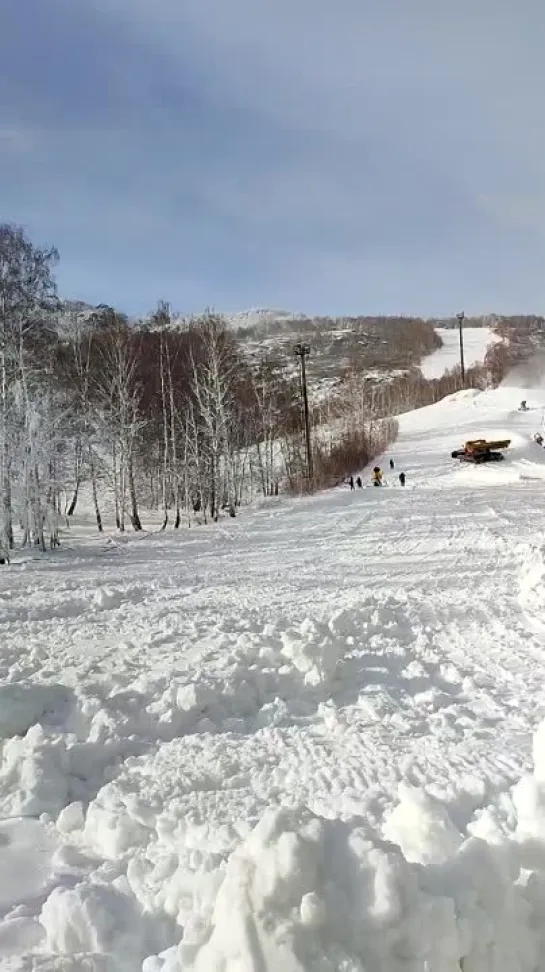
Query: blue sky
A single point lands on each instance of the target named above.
(355, 156)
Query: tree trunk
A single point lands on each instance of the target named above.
(165, 436)
(38, 527)
(74, 503)
(116, 488)
(174, 452)
(6, 538)
(95, 495)
(135, 519)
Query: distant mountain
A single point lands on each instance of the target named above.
(261, 318)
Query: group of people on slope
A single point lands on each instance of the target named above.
(377, 478)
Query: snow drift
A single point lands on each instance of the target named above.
(306, 894)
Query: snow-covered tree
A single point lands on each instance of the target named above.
(118, 397)
(27, 301)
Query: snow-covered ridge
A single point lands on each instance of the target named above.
(261, 316)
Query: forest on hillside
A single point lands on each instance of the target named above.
(173, 416)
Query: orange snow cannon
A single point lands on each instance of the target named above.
(482, 450)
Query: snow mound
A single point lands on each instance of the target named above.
(33, 774)
(66, 755)
(22, 706)
(313, 650)
(422, 828)
(94, 918)
(305, 894)
(27, 849)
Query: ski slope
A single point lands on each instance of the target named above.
(297, 740)
(477, 340)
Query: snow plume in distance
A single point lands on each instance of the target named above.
(528, 374)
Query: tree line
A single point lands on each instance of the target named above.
(156, 417)
(171, 416)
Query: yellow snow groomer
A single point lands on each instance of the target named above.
(481, 450)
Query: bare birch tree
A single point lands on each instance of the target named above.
(212, 385)
(27, 298)
(119, 393)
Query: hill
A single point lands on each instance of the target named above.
(300, 737)
(381, 348)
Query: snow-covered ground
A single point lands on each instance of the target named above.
(477, 340)
(298, 741)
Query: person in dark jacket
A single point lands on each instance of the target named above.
(351, 482)
(359, 483)
(392, 464)
(402, 478)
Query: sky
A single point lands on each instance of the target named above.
(321, 156)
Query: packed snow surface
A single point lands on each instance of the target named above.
(477, 340)
(310, 739)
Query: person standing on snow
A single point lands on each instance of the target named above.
(351, 482)
(377, 476)
(392, 464)
(359, 483)
(402, 478)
